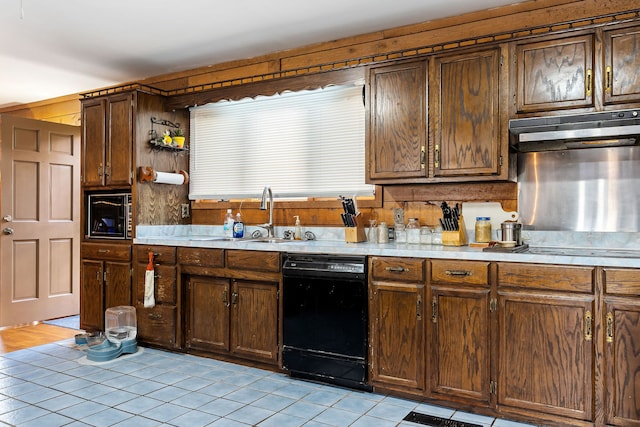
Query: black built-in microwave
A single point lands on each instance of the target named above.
(109, 216)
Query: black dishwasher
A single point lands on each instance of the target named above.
(325, 318)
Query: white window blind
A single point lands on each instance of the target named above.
(301, 144)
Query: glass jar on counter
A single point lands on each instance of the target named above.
(483, 229)
(426, 235)
(383, 233)
(400, 233)
(436, 236)
(413, 231)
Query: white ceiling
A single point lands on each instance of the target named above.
(51, 48)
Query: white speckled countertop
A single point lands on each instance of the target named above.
(590, 249)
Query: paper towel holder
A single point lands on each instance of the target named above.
(147, 174)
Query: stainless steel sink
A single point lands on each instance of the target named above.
(212, 238)
(272, 240)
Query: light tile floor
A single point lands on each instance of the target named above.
(54, 385)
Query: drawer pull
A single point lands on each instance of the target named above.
(396, 269)
(155, 316)
(103, 251)
(463, 273)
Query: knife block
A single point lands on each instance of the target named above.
(354, 234)
(457, 237)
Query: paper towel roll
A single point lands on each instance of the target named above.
(169, 178)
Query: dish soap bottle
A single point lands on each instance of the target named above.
(297, 234)
(228, 223)
(238, 227)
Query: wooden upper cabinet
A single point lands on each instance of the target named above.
(119, 139)
(107, 141)
(555, 74)
(93, 141)
(397, 119)
(622, 62)
(468, 114)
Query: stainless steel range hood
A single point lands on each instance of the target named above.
(611, 128)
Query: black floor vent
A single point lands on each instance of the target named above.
(430, 420)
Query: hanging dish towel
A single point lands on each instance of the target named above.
(149, 285)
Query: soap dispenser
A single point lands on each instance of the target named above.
(297, 235)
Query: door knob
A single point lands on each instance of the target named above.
(7, 218)
(7, 230)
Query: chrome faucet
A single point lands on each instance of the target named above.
(263, 206)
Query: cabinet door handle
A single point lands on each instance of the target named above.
(434, 310)
(609, 327)
(234, 297)
(436, 156)
(396, 269)
(608, 76)
(419, 308)
(589, 82)
(423, 157)
(587, 326)
(225, 298)
(103, 251)
(463, 273)
(100, 169)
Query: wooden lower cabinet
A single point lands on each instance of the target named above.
(621, 318)
(546, 346)
(396, 335)
(208, 302)
(236, 317)
(232, 303)
(459, 338)
(105, 281)
(158, 325)
(254, 320)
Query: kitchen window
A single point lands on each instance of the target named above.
(302, 144)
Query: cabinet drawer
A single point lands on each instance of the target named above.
(164, 283)
(622, 281)
(549, 277)
(201, 257)
(106, 251)
(460, 272)
(255, 261)
(157, 325)
(398, 269)
(161, 254)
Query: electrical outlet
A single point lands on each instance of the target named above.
(398, 216)
(184, 208)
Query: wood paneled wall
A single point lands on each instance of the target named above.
(422, 201)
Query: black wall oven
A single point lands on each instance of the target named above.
(325, 318)
(109, 216)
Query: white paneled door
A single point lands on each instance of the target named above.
(39, 220)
